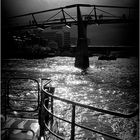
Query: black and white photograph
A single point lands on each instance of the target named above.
(69, 70)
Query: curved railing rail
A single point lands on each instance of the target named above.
(45, 98)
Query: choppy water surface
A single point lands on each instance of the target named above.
(110, 85)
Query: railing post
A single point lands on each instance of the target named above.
(43, 116)
(52, 89)
(73, 123)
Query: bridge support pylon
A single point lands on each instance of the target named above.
(81, 55)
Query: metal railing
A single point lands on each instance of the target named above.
(13, 89)
(46, 117)
(8, 99)
(45, 95)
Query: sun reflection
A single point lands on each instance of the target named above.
(105, 85)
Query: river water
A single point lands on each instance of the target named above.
(111, 85)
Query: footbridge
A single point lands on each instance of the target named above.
(81, 15)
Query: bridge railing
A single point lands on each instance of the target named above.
(49, 115)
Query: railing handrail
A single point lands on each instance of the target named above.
(74, 104)
(47, 94)
(84, 127)
(93, 108)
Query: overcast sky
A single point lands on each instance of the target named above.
(15, 7)
(103, 34)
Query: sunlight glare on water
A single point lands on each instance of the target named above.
(110, 85)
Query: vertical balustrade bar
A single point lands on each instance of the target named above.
(73, 123)
(52, 89)
(43, 116)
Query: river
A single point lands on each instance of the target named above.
(111, 85)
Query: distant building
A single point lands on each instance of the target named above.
(73, 40)
(88, 40)
(59, 39)
(67, 39)
(51, 36)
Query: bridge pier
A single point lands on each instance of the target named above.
(81, 56)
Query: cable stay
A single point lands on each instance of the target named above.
(99, 14)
